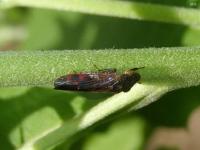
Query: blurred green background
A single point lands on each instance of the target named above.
(37, 29)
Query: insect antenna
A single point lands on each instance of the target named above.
(134, 69)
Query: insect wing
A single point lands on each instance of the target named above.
(62, 83)
(103, 80)
(97, 82)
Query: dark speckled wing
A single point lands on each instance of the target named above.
(88, 82)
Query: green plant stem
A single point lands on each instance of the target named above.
(123, 9)
(177, 67)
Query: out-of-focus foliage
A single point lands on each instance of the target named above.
(76, 31)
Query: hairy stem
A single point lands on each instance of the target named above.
(177, 67)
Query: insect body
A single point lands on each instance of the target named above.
(106, 80)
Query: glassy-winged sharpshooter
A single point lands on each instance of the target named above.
(106, 80)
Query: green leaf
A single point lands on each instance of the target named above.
(29, 114)
(126, 134)
(124, 9)
(39, 24)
